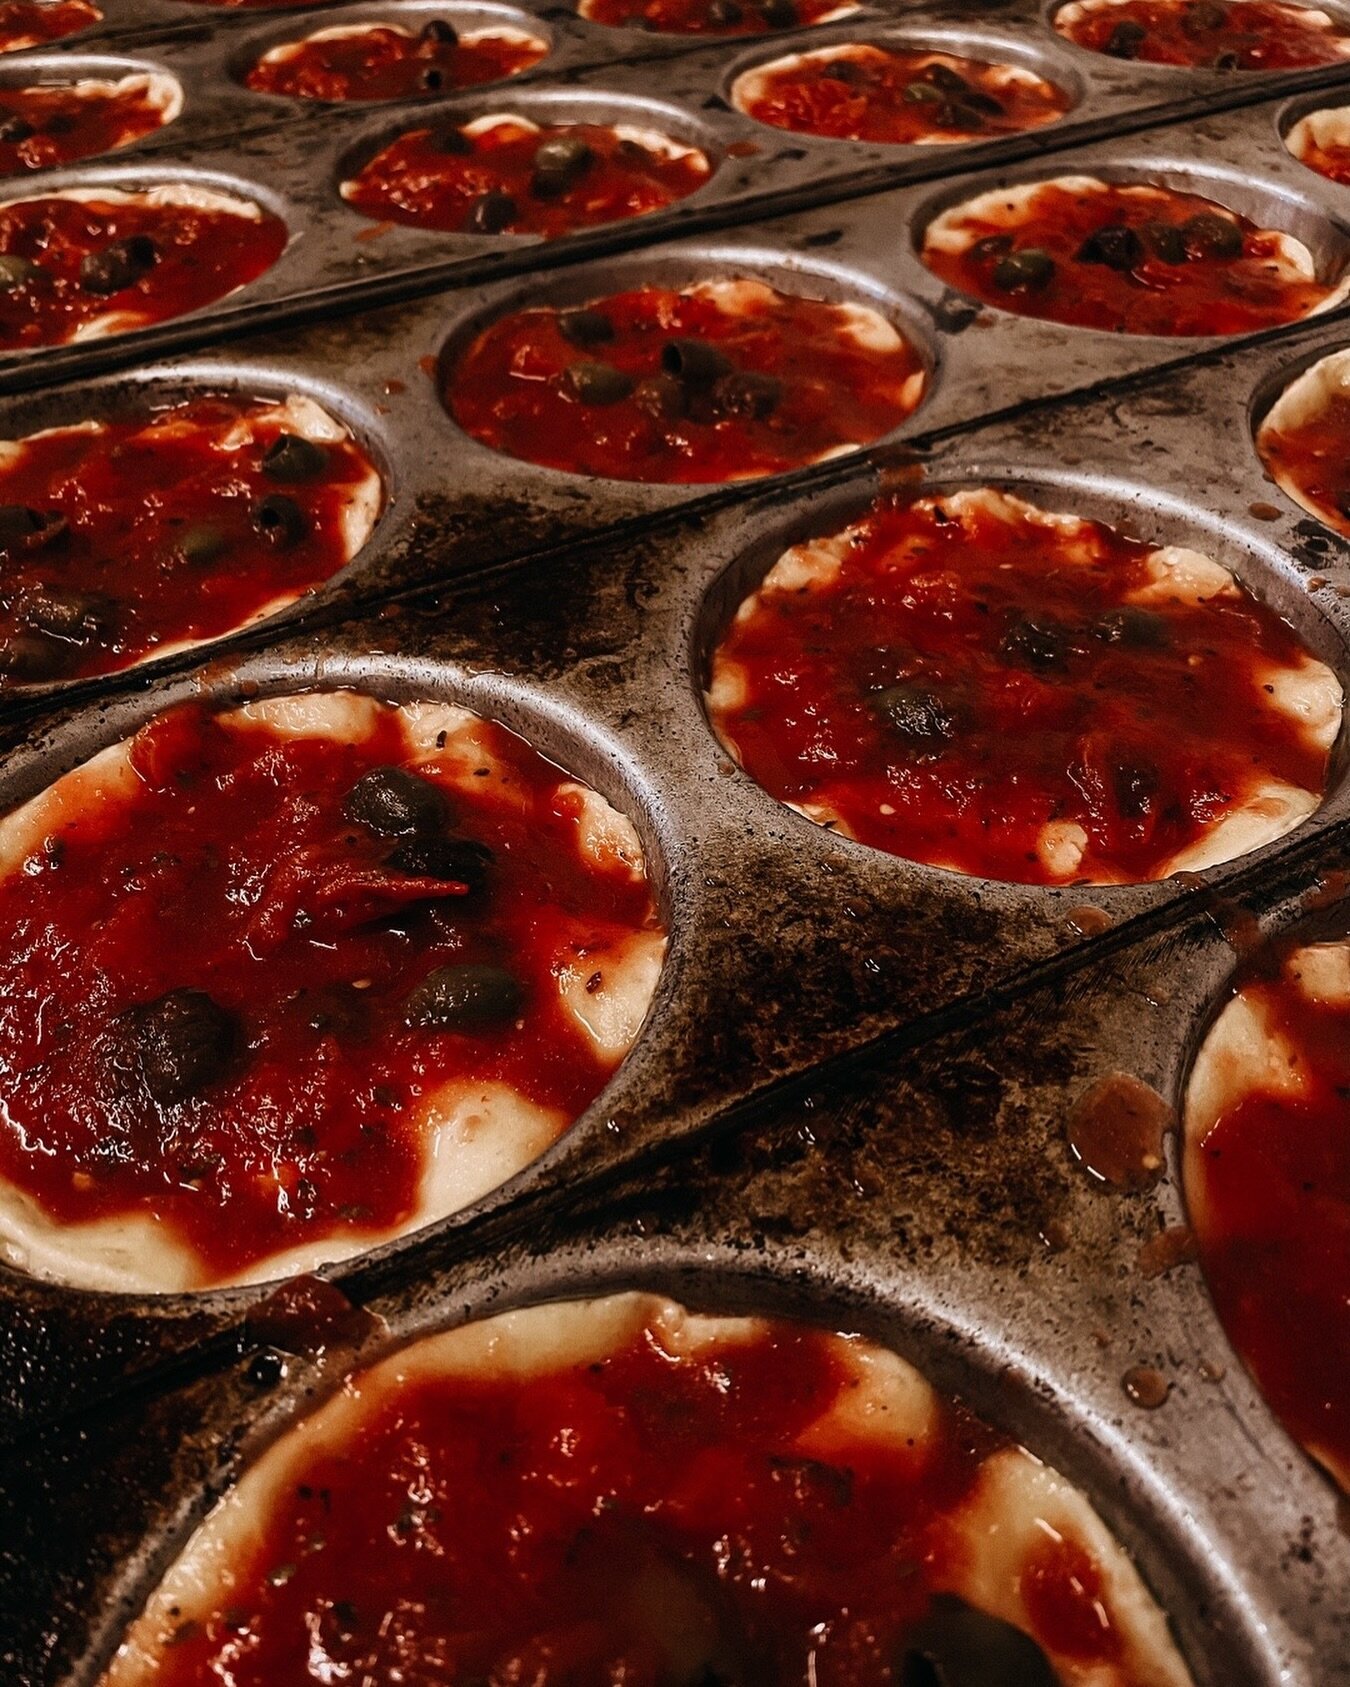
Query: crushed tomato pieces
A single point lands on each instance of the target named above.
(712, 17)
(1206, 34)
(31, 23)
(388, 62)
(43, 126)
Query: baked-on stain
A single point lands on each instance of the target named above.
(308, 1315)
(1116, 1129)
(1167, 1250)
(1146, 1387)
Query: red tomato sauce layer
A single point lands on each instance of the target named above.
(1331, 161)
(901, 96)
(514, 178)
(1131, 260)
(1209, 34)
(1316, 458)
(149, 531)
(768, 385)
(711, 17)
(388, 63)
(960, 686)
(42, 127)
(1275, 1237)
(30, 23)
(64, 263)
(547, 1530)
(210, 982)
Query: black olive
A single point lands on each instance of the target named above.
(440, 30)
(944, 77)
(1036, 641)
(984, 103)
(558, 163)
(29, 659)
(920, 93)
(694, 362)
(1026, 271)
(585, 327)
(75, 617)
(957, 1646)
(1227, 60)
(16, 129)
(991, 246)
(1209, 235)
(118, 265)
(16, 272)
(1165, 242)
(1135, 785)
(280, 521)
(492, 212)
(746, 395)
(454, 142)
(843, 70)
(290, 457)
(432, 79)
(914, 713)
(1125, 39)
(779, 14)
(200, 543)
(18, 526)
(183, 1042)
(463, 997)
(1116, 246)
(1202, 17)
(462, 859)
(661, 396)
(724, 14)
(598, 383)
(394, 803)
(1142, 629)
(956, 114)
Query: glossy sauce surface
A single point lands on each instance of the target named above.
(491, 182)
(231, 868)
(1210, 34)
(199, 255)
(29, 23)
(383, 62)
(1315, 456)
(1169, 274)
(712, 17)
(647, 1519)
(150, 530)
(1273, 1221)
(792, 383)
(962, 684)
(44, 126)
(900, 96)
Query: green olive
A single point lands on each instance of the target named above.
(1026, 271)
(201, 543)
(585, 327)
(16, 272)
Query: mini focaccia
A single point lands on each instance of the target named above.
(33, 23)
(973, 682)
(1304, 440)
(504, 174)
(717, 381)
(1126, 257)
(54, 123)
(86, 262)
(137, 537)
(897, 95)
(1321, 140)
(1206, 34)
(619, 1490)
(714, 17)
(1267, 1178)
(287, 981)
(389, 61)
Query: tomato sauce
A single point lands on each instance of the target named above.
(1130, 259)
(42, 127)
(899, 96)
(712, 17)
(271, 1102)
(1209, 34)
(1272, 1217)
(388, 62)
(151, 530)
(68, 262)
(1329, 158)
(963, 684)
(31, 23)
(591, 391)
(503, 179)
(1315, 457)
(624, 1520)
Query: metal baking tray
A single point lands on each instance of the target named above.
(925, 1198)
(339, 260)
(789, 944)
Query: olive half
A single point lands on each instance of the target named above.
(464, 997)
(291, 457)
(394, 803)
(183, 1042)
(119, 265)
(1026, 271)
